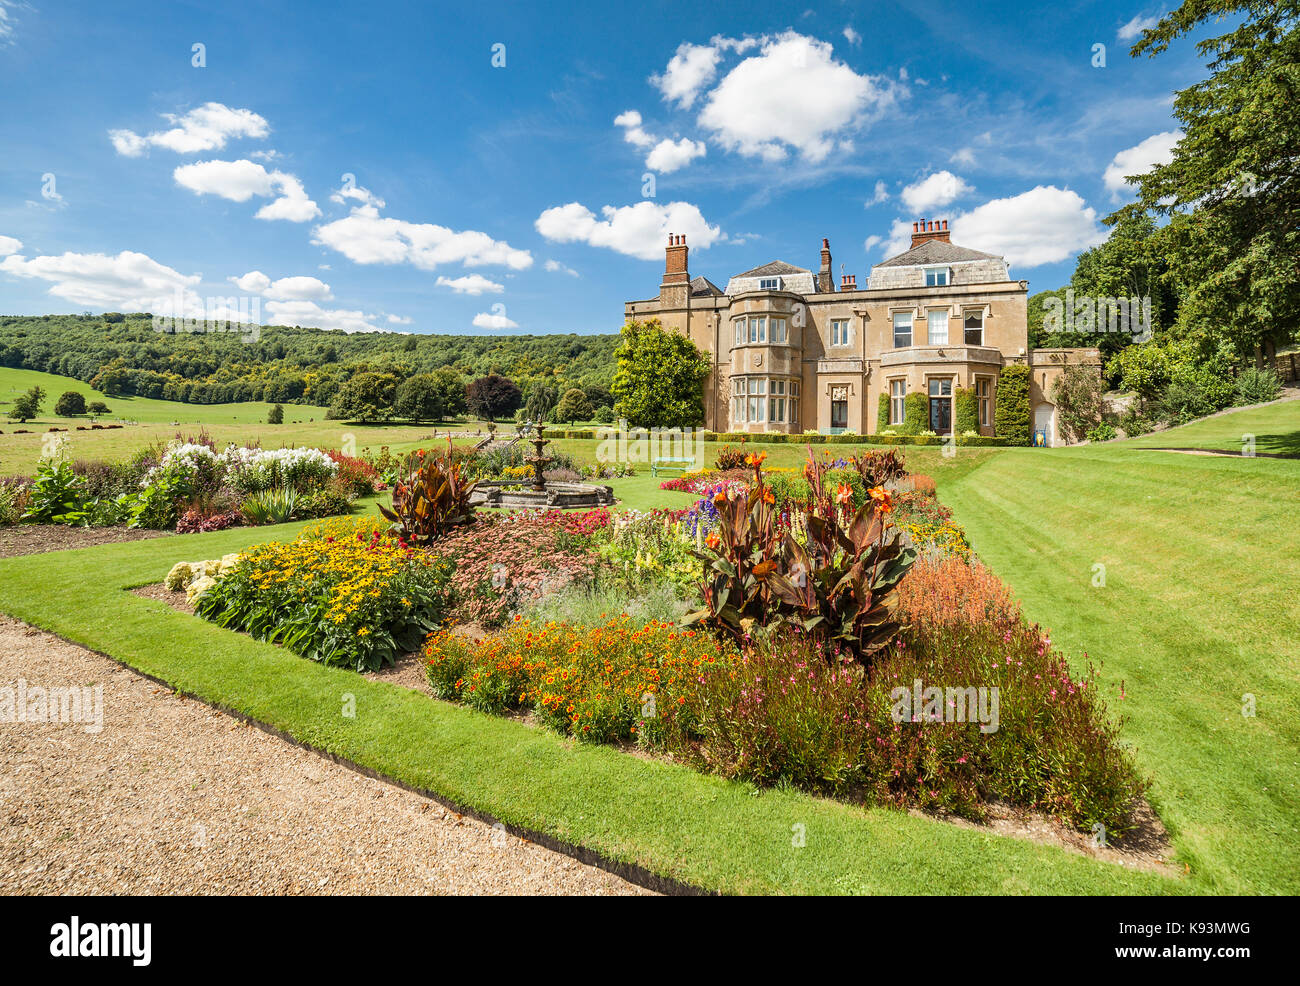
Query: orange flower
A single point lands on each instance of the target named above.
(884, 499)
(755, 459)
(713, 540)
(844, 494)
(768, 496)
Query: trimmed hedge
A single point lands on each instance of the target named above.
(916, 413)
(882, 413)
(965, 410)
(775, 438)
(1011, 420)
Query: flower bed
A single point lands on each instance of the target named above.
(601, 684)
(338, 596)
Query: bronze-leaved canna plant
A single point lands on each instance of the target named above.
(432, 500)
(838, 582)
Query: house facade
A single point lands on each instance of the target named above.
(792, 352)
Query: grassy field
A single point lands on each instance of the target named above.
(1199, 609)
(707, 832)
(1275, 429)
(1193, 611)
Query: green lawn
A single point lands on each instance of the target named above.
(1200, 606)
(1274, 427)
(703, 831)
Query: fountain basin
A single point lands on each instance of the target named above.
(508, 494)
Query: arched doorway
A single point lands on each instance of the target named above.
(1045, 424)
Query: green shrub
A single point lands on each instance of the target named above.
(57, 496)
(276, 415)
(916, 413)
(1104, 432)
(882, 412)
(1256, 386)
(966, 410)
(1011, 421)
(274, 506)
(13, 501)
(1077, 395)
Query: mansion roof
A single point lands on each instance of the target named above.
(935, 252)
(775, 269)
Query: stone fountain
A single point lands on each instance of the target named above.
(542, 494)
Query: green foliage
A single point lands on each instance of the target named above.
(1011, 419)
(98, 408)
(1142, 369)
(882, 412)
(916, 414)
(27, 406)
(1233, 203)
(70, 404)
(965, 410)
(1104, 432)
(277, 505)
(493, 396)
(275, 416)
(420, 398)
(573, 406)
(432, 500)
(57, 496)
(13, 501)
(1256, 386)
(1077, 396)
(660, 377)
(541, 401)
(366, 397)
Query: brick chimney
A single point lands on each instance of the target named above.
(825, 280)
(929, 229)
(849, 282)
(676, 285)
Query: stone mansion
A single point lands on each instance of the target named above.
(790, 352)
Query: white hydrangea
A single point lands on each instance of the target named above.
(188, 455)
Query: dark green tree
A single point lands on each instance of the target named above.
(573, 406)
(366, 397)
(1011, 418)
(70, 404)
(419, 398)
(659, 379)
(276, 415)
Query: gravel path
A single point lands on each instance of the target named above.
(172, 797)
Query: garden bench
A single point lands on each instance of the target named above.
(679, 464)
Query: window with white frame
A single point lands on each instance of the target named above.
(758, 329)
(757, 391)
(902, 329)
(937, 327)
(778, 332)
(897, 395)
(740, 332)
(769, 284)
(776, 403)
(794, 401)
(984, 393)
(839, 332)
(974, 327)
(936, 277)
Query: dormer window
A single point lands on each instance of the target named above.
(769, 284)
(936, 277)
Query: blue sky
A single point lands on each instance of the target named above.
(369, 166)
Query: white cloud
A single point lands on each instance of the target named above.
(898, 240)
(1137, 25)
(852, 36)
(879, 194)
(6, 25)
(792, 93)
(473, 284)
(398, 320)
(205, 128)
(633, 133)
(9, 245)
(668, 156)
(300, 288)
(267, 155)
(127, 282)
(688, 71)
(485, 321)
(1044, 225)
(366, 237)
(310, 314)
(933, 191)
(354, 191)
(1138, 160)
(240, 180)
(639, 230)
(964, 156)
(555, 267)
(871, 241)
